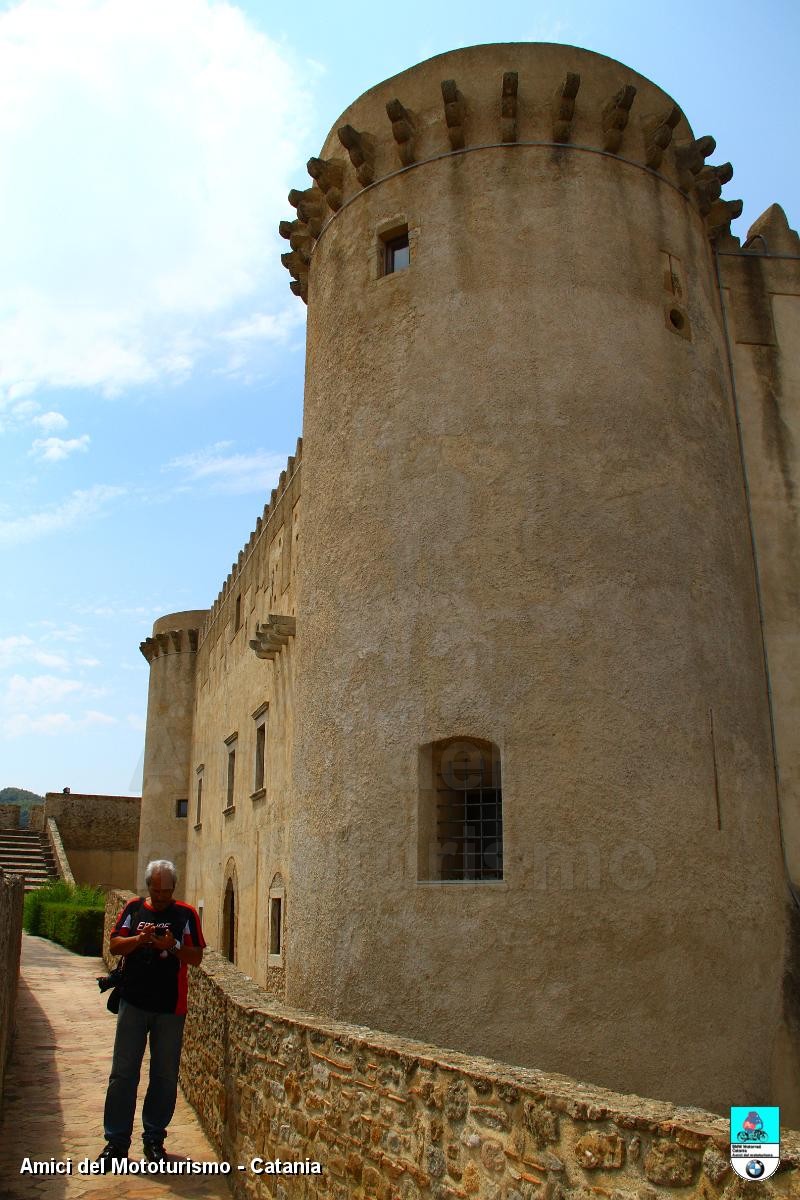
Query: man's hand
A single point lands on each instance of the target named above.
(164, 942)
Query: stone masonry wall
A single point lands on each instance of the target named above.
(11, 899)
(95, 822)
(393, 1119)
(9, 816)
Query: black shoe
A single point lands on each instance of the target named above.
(112, 1151)
(154, 1149)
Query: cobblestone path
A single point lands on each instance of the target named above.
(55, 1088)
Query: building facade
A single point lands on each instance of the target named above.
(489, 738)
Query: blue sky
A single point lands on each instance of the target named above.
(151, 357)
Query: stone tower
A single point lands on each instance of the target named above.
(172, 654)
(527, 575)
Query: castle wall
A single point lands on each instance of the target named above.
(9, 816)
(524, 522)
(245, 842)
(100, 835)
(761, 293)
(11, 903)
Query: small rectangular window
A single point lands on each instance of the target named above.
(238, 616)
(231, 776)
(198, 802)
(397, 253)
(181, 808)
(275, 918)
(261, 742)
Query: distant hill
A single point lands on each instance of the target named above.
(25, 799)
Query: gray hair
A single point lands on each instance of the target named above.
(160, 864)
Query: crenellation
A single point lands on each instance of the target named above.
(453, 113)
(402, 131)
(508, 107)
(615, 116)
(773, 233)
(361, 150)
(563, 107)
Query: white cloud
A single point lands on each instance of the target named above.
(53, 723)
(42, 704)
(56, 449)
(38, 691)
(270, 327)
(19, 648)
(56, 518)
(235, 474)
(51, 422)
(145, 155)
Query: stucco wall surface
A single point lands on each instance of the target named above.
(524, 522)
(172, 653)
(11, 901)
(393, 1118)
(245, 842)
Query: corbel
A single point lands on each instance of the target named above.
(615, 115)
(361, 153)
(453, 113)
(508, 107)
(564, 106)
(328, 174)
(402, 131)
(310, 206)
(660, 137)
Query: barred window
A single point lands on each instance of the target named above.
(461, 811)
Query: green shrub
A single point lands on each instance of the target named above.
(79, 929)
(69, 914)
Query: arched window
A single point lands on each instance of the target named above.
(460, 811)
(229, 916)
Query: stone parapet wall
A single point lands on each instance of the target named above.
(9, 816)
(392, 1118)
(36, 818)
(95, 822)
(59, 853)
(11, 900)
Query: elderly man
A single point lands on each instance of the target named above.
(158, 938)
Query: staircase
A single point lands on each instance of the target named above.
(28, 854)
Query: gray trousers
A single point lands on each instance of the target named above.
(165, 1031)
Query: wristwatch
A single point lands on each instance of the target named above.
(176, 948)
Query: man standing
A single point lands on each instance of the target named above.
(158, 938)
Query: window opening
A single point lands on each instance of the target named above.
(198, 808)
(275, 919)
(238, 615)
(461, 811)
(181, 808)
(229, 922)
(396, 253)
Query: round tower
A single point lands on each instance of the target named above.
(534, 804)
(172, 655)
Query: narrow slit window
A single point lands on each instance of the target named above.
(275, 919)
(238, 616)
(397, 253)
(181, 808)
(198, 811)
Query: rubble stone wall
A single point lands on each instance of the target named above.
(9, 816)
(11, 899)
(389, 1118)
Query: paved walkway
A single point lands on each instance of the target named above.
(55, 1088)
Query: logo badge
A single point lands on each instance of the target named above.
(755, 1141)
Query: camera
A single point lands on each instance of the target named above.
(161, 930)
(113, 979)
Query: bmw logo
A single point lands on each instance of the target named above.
(755, 1168)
